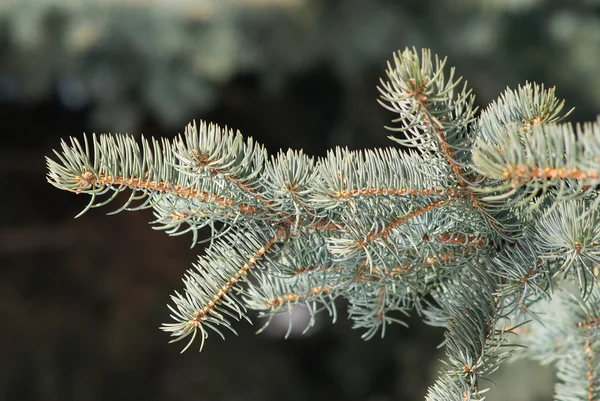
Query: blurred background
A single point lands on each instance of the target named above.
(81, 300)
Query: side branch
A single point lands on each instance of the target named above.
(202, 161)
(460, 239)
(445, 257)
(589, 358)
(393, 191)
(449, 156)
(521, 173)
(324, 224)
(447, 152)
(588, 324)
(200, 314)
(276, 302)
(418, 94)
(384, 233)
(90, 179)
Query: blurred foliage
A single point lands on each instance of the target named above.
(164, 58)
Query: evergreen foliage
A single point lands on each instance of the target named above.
(480, 226)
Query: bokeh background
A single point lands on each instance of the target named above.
(81, 300)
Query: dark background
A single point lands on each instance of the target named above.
(81, 300)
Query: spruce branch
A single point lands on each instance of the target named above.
(553, 158)
(477, 226)
(474, 345)
(437, 120)
(568, 338)
(208, 295)
(527, 106)
(385, 230)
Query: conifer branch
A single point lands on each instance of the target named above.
(476, 227)
(386, 230)
(461, 239)
(392, 191)
(88, 179)
(290, 297)
(522, 173)
(205, 305)
(436, 117)
(590, 370)
(589, 323)
(425, 109)
(226, 287)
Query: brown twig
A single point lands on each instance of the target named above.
(200, 314)
(384, 233)
(88, 179)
